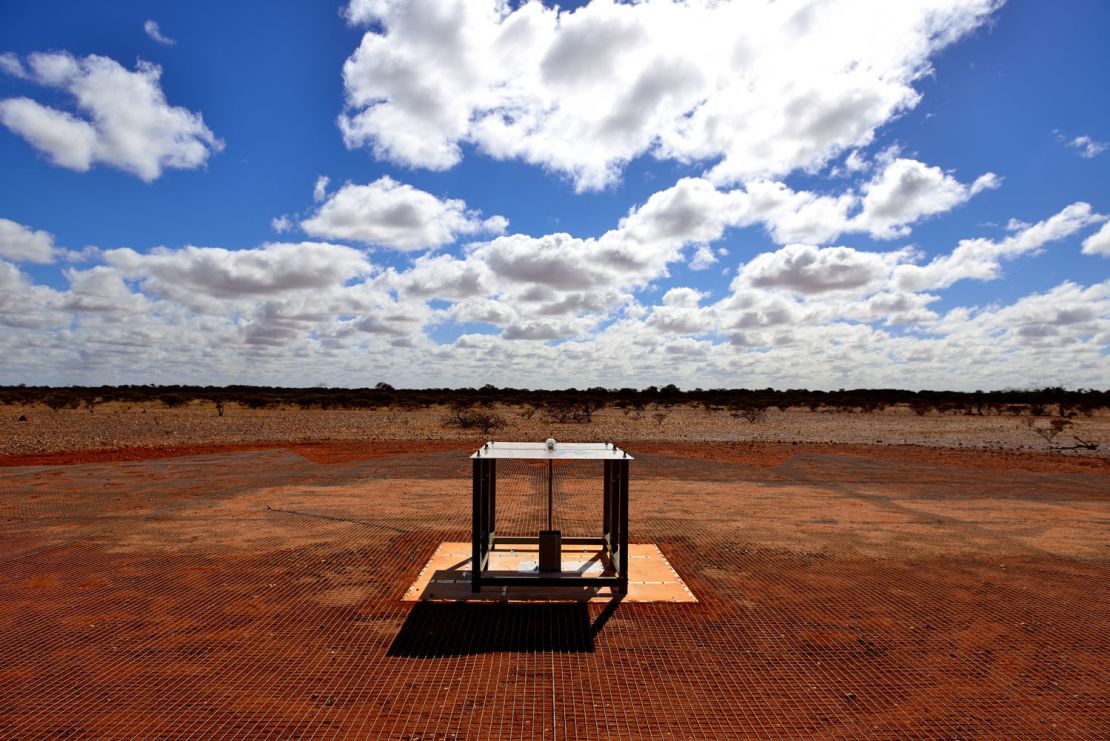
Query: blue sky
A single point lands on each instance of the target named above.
(179, 238)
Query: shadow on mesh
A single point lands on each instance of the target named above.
(434, 630)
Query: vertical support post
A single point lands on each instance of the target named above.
(483, 516)
(622, 506)
(550, 491)
(491, 504)
(476, 515)
(607, 506)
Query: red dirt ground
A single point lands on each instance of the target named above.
(845, 593)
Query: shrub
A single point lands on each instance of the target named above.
(1050, 433)
(750, 411)
(467, 418)
(173, 401)
(565, 411)
(921, 407)
(62, 400)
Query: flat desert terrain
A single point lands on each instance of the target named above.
(115, 426)
(170, 573)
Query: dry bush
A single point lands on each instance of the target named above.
(1050, 433)
(468, 418)
(62, 400)
(751, 412)
(566, 411)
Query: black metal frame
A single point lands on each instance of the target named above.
(484, 537)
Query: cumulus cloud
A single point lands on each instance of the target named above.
(533, 278)
(281, 224)
(279, 313)
(807, 269)
(1087, 147)
(760, 89)
(124, 119)
(1069, 315)
(681, 314)
(1099, 242)
(442, 276)
(20, 243)
(152, 30)
(900, 194)
(540, 330)
(981, 259)
(395, 215)
(907, 191)
(24, 306)
(195, 276)
(101, 290)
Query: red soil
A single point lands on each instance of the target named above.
(845, 593)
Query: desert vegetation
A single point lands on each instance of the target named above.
(49, 419)
(576, 405)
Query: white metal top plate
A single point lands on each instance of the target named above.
(562, 451)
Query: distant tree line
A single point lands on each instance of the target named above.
(575, 405)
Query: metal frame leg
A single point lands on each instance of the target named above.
(622, 521)
(476, 518)
(491, 504)
(607, 507)
(483, 517)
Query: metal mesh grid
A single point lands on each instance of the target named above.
(522, 497)
(258, 595)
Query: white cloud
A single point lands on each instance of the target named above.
(540, 330)
(806, 269)
(24, 306)
(1099, 242)
(281, 313)
(1087, 147)
(20, 243)
(760, 88)
(281, 224)
(10, 65)
(1068, 315)
(442, 276)
(320, 189)
(981, 259)
(152, 30)
(101, 290)
(126, 120)
(902, 193)
(482, 310)
(681, 314)
(70, 141)
(854, 162)
(907, 191)
(685, 298)
(202, 276)
(396, 215)
(703, 258)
